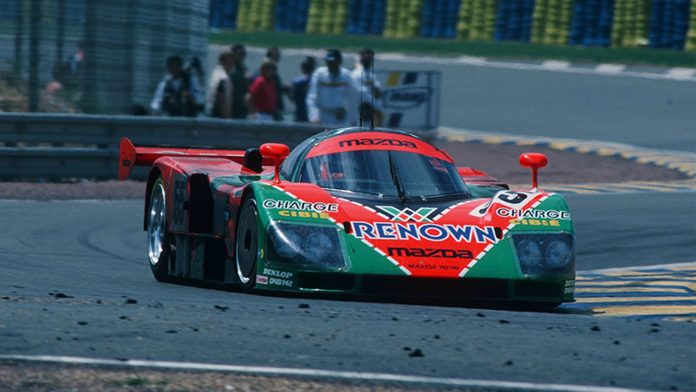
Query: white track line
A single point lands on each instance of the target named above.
(610, 68)
(554, 64)
(681, 73)
(641, 268)
(316, 373)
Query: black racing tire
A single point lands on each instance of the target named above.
(159, 248)
(246, 247)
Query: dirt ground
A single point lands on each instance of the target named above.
(497, 160)
(43, 378)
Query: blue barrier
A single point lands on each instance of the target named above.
(366, 16)
(379, 17)
(527, 21)
(439, 18)
(669, 23)
(681, 24)
(223, 13)
(451, 19)
(514, 20)
(591, 23)
(427, 22)
(291, 15)
(355, 23)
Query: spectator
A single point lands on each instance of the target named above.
(367, 89)
(75, 61)
(273, 56)
(300, 86)
(262, 99)
(176, 93)
(71, 69)
(219, 94)
(240, 82)
(330, 100)
(195, 69)
(55, 86)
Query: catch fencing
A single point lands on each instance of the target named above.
(107, 56)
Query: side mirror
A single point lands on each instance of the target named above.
(253, 160)
(535, 161)
(277, 153)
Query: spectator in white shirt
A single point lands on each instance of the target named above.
(331, 97)
(368, 90)
(219, 93)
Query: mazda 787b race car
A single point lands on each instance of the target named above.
(353, 210)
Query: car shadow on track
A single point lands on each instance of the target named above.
(516, 306)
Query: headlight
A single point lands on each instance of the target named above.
(309, 246)
(545, 254)
(558, 254)
(530, 256)
(287, 243)
(319, 246)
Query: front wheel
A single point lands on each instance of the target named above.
(158, 248)
(247, 243)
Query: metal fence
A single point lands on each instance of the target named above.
(63, 146)
(107, 55)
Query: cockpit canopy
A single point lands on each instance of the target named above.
(378, 164)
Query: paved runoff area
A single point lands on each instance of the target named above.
(663, 291)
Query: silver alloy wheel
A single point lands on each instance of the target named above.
(156, 224)
(247, 241)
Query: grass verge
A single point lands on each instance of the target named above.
(449, 47)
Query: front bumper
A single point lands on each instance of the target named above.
(525, 290)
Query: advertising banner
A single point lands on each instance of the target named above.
(410, 99)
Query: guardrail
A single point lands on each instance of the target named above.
(60, 146)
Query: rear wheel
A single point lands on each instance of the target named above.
(158, 247)
(247, 243)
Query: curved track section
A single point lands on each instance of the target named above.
(75, 281)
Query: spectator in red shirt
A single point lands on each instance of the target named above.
(262, 99)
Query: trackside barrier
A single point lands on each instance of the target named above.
(59, 146)
(70, 146)
(19, 163)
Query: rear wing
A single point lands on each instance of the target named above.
(132, 155)
(479, 178)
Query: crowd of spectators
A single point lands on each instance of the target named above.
(330, 95)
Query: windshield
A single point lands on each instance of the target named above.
(384, 173)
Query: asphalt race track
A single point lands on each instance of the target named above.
(75, 282)
(627, 230)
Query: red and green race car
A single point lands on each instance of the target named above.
(353, 210)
